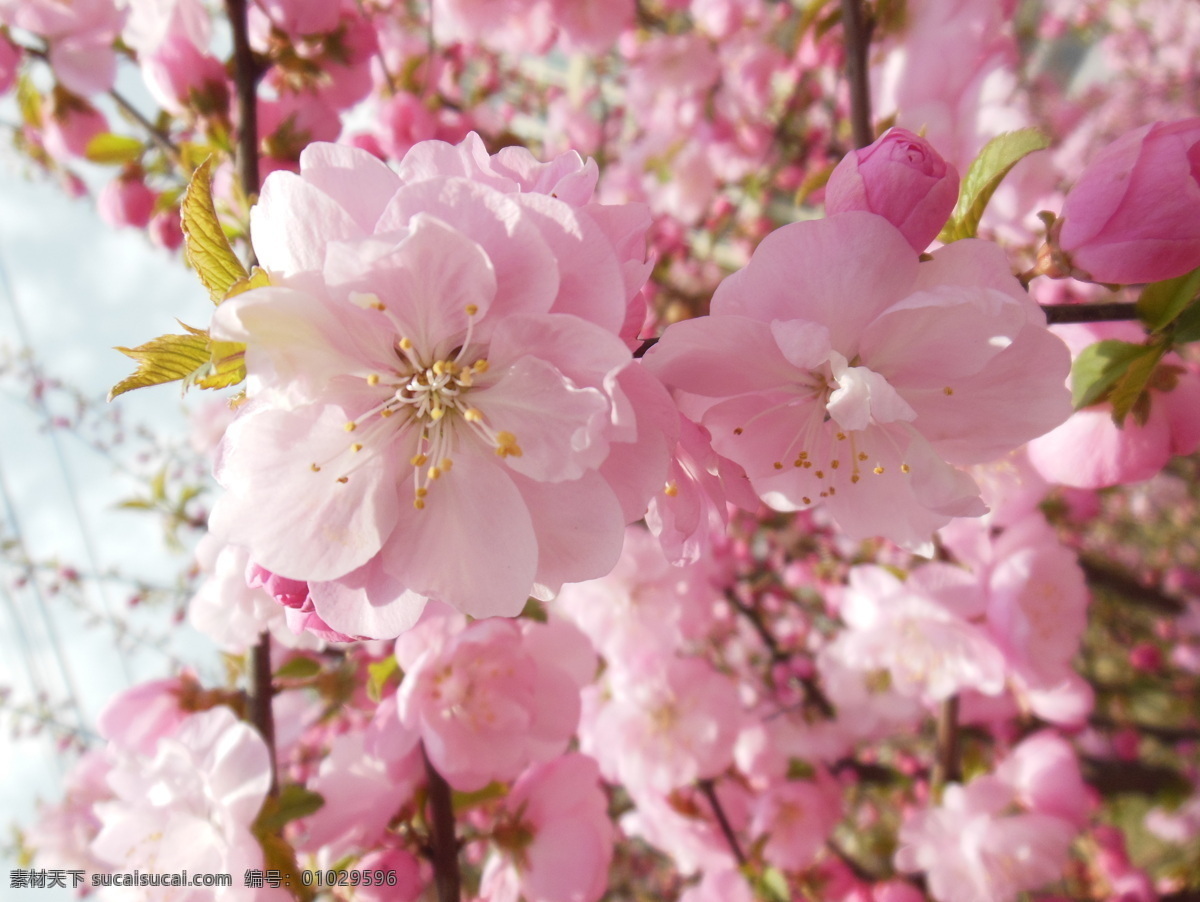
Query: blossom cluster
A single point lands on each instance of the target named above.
(631, 488)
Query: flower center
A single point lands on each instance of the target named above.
(431, 396)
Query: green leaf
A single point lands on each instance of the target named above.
(1187, 326)
(29, 101)
(165, 359)
(299, 668)
(205, 243)
(257, 279)
(1128, 393)
(1160, 303)
(378, 675)
(775, 885)
(987, 170)
(113, 150)
(1098, 367)
(293, 802)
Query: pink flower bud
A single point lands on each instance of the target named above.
(10, 62)
(126, 201)
(1134, 214)
(901, 178)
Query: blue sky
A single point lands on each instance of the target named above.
(79, 288)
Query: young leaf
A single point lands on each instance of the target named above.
(205, 243)
(1099, 366)
(115, 150)
(299, 668)
(293, 802)
(1129, 390)
(1160, 303)
(987, 170)
(165, 359)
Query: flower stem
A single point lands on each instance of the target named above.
(444, 852)
(262, 693)
(1090, 313)
(857, 33)
(710, 793)
(946, 768)
(246, 73)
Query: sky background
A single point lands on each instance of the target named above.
(73, 288)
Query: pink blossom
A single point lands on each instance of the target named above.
(485, 702)
(1090, 451)
(662, 726)
(126, 201)
(867, 407)
(796, 818)
(10, 62)
(645, 607)
(971, 851)
(556, 841)
(1132, 215)
(189, 805)
(62, 834)
(900, 177)
(138, 718)
(231, 612)
(919, 631)
(296, 599)
(1044, 771)
(80, 35)
(68, 129)
(424, 412)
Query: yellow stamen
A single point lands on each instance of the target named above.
(373, 379)
(671, 489)
(350, 427)
(356, 447)
(878, 471)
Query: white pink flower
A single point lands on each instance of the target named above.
(836, 369)
(440, 404)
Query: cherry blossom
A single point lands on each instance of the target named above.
(438, 378)
(822, 400)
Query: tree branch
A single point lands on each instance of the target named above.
(262, 693)
(246, 74)
(159, 137)
(444, 852)
(710, 793)
(946, 768)
(1089, 313)
(857, 33)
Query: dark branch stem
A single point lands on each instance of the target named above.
(710, 793)
(262, 693)
(246, 73)
(857, 33)
(1090, 313)
(157, 135)
(444, 852)
(946, 768)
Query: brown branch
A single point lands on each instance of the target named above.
(1089, 313)
(1099, 574)
(246, 73)
(710, 793)
(946, 768)
(857, 33)
(157, 135)
(444, 843)
(262, 693)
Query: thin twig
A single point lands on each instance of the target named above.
(246, 74)
(857, 32)
(1090, 313)
(262, 694)
(444, 851)
(157, 135)
(710, 792)
(946, 768)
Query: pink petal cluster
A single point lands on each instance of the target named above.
(1089, 450)
(490, 698)
(440, 405)
(837, 369)
(900, 177)
(973, 848)
(188, 806)
(80, 35)
(555, 837)
(1134, 214)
